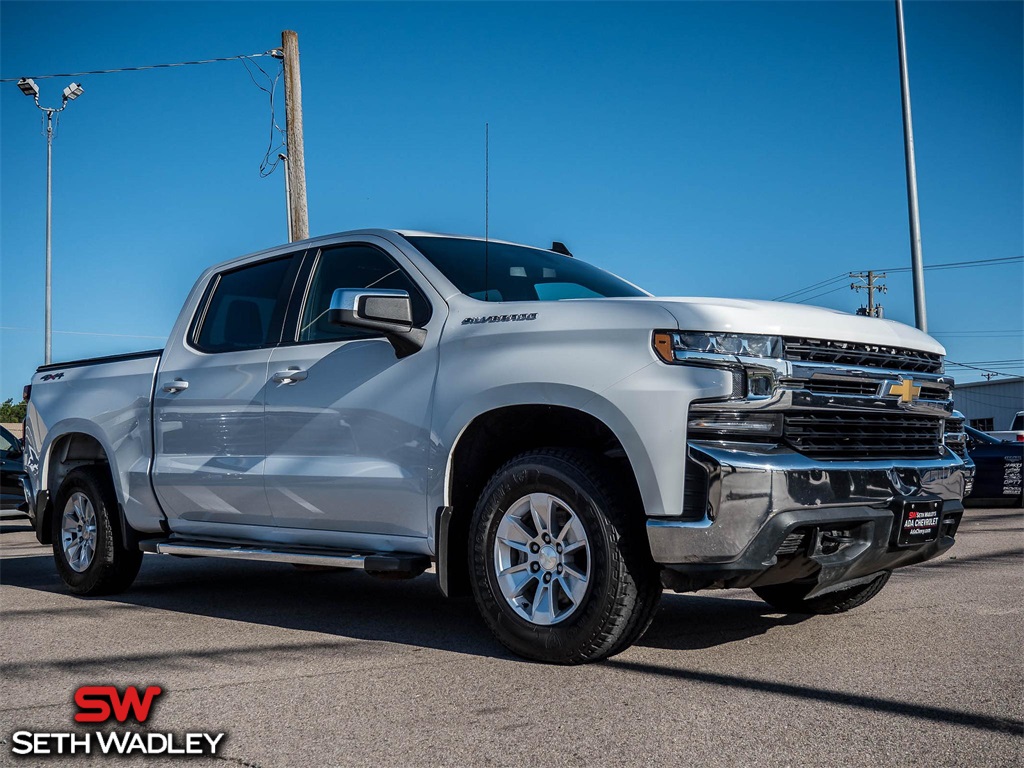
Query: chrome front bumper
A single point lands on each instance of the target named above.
(761, 496)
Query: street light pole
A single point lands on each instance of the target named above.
(49, 218)
(71, 92)
(917, 259)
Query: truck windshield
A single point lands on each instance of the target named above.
(518, 273)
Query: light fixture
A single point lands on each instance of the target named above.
(72, 92)
(28, 87)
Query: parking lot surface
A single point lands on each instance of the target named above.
(307, 668)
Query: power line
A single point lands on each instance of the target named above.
(948, 265)
(825, 293)
(974, 367)
(840, 276)
(139, 69)
(963, 264)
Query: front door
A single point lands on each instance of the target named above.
(348, 433)
(209, 402)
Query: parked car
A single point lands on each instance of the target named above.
(558, 442)
(1016, 432)
(12, 469)
(997, 467)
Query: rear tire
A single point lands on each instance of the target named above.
(579, 583)
(87, 543)
(789, 598)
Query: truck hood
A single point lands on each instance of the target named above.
(778, 318)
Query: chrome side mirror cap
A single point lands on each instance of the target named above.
(386, 310)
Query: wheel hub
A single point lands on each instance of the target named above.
(548, 558)
(542, 559)
(78, 532)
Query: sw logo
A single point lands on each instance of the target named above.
(103, 704)
(98, 703)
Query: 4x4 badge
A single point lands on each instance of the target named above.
(905, 389)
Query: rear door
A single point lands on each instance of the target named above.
(348, 438)
(209, 401)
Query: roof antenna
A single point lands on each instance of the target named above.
(487, 207)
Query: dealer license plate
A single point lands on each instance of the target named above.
(919, 522)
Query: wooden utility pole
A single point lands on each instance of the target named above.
(296, 165)
(873, 310)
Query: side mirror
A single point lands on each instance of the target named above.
(378, 309)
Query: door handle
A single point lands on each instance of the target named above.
(290, 376)
(176, 386)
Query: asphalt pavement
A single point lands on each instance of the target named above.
(304, 668)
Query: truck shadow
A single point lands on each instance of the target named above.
(693, 622)
(353, 605)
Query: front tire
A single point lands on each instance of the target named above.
(561, 569)
(87, 546)
(790, 598)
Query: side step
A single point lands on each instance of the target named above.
(397, 563)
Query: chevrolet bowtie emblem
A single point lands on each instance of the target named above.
(905, 389)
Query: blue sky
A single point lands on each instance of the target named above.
(716, 149)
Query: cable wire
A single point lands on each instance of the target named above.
(139, 69)
(840, 276)
(818, 295)
(975, 368)
(277, 139)
(948, 265)
(960, 264)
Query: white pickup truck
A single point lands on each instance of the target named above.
(549, 437)
(1016, 432)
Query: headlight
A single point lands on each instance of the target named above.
(668, 343)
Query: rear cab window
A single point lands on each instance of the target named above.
(245, 307)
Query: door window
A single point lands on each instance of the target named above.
(353, 266)
(246, 308)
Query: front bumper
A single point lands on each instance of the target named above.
(773, 515)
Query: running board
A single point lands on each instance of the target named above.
(389, 562)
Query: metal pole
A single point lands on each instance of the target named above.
(49, 218)
(917, 260)
(287, 196)
(293, 128)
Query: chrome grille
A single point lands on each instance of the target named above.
(862, 387)
(863, 435)
(956, 438)
(865, 355)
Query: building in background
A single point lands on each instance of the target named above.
(990, 405)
